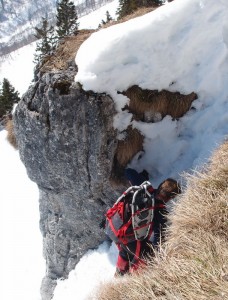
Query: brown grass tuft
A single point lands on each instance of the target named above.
(65, 52)
(69, 46)
(10, 133)
(193, 263)
(127, 148)
(146, 104)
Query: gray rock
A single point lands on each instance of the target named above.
(67, 143)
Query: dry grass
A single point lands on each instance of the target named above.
(10, 132)
(139, 12)
(126, 149)
(68, 48)
(193, 263)
(129, 146)
(66, 52)
(164, 103)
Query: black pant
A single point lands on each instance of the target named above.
(132, 255)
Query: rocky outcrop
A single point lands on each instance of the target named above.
(70, 149)
(67, 142)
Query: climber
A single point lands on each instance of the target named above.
(135, 241)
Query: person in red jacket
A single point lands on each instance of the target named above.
(132, 255)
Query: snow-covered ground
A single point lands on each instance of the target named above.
(92, 20)
(22, 16)
(182, 46)
(185, 42)
(22, 264)
(18, 68)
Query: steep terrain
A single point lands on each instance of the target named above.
(193, 263)
(71, 150)
(67, 143)
(66, 131)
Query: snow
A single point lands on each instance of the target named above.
(95, 267)
(22, 16)
(181, 46)
(184, 42)
(22, 264)
(18, 68)
(22, 59)
(92, 20)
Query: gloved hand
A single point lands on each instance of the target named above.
(102, 224)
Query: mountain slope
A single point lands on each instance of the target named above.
(18, 19)
(193, 263)
(68, 132)
(173, 48)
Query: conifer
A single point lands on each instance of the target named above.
(123, 8)
(47, 41)
(156, 2)
(8, 97)
(127, 7)
(108, 19)
(66, 19)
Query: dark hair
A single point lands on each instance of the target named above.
(170, 187)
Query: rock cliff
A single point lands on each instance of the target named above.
(69, 147)
(67, 142)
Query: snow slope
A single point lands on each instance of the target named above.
(18, 68)
(22, 264)
(182, 46)
(184, 42)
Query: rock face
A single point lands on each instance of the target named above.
(67, 143)
(70, 149)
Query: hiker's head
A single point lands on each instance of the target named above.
(168, 189)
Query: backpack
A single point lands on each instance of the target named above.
(131, 216)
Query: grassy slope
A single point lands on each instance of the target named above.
(193, 263)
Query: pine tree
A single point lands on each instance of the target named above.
(152, 3)
(156, 2)
(108, 19)
(8, 97)
(66, 18)
(123, 8)
(127, 7)
(47, 41)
